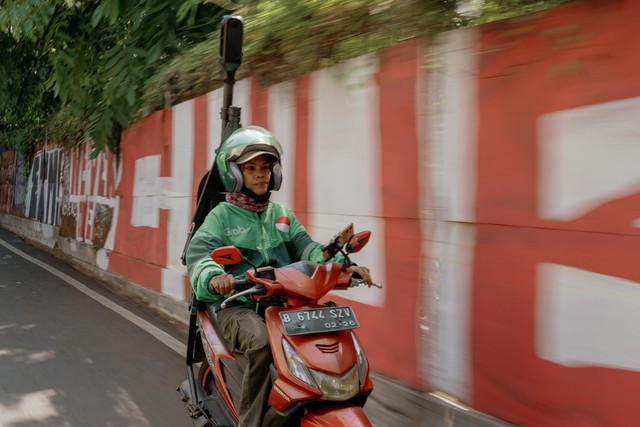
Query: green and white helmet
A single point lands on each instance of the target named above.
(243, 145)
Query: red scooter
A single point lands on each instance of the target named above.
(320, 374)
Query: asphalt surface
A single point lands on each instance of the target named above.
(72, 353)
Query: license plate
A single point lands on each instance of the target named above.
(316, 320)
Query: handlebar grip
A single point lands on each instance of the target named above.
(242, 284)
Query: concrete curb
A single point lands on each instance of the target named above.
(393, 403)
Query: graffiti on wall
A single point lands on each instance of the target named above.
(89, 204)
(21, 179)
(44, 186)
(7, 180)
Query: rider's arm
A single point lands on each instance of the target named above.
(303, 247)
(200, 266)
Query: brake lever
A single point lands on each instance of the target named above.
(358, 282)
(253, 290)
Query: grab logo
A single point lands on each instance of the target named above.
(283, 224)
(234, 231)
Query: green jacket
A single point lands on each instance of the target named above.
(274, 237)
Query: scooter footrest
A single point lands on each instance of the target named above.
(218, 411)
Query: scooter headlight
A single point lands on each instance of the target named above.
(363, 365)
(332, 387)
(297, 366)
(337, 387)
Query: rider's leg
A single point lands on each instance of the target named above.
(248, 334)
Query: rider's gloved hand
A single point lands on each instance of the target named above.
(223, 284)
(363, 272)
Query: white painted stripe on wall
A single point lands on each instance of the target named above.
(282, 117)
(344, 162)
(459, 117)
(450, 308)
(148, 192)
(173, 284)
(86, 170)
(587, 319)
(242, 99)
(111, 237)
(588, 156)
(179, 195)
(344, 134)
(450, 196)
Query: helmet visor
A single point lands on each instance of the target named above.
(253, 152)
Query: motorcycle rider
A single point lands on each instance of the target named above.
(267, 234)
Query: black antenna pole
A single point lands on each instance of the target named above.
(230, 57)
(231, 34)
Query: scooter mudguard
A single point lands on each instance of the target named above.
(351, 416)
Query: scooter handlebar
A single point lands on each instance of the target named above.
(242, 283)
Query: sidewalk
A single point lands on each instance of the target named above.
(392, 404)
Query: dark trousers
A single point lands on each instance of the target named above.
(247, 333)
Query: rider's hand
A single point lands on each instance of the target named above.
(364, 273)
(223, 284)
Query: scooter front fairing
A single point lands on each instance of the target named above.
(328, 368)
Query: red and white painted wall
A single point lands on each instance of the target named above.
(533, 278)
(497, 169)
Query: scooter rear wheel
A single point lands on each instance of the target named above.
(206, 377)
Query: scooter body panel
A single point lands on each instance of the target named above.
(331, 352)
(215, 352)
(347, 416)
(302, 288)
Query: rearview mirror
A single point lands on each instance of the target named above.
(338, 241)
(226, 255)
(358, 241)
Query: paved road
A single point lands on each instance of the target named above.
(74, 354)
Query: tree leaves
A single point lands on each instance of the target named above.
(80, 67)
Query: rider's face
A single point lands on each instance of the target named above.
(257, 174)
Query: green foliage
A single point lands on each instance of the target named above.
(288, 38)
(75, 70)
